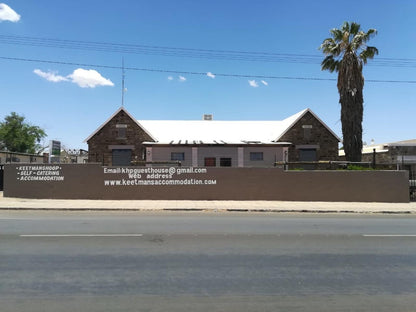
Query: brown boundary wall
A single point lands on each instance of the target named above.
(92, 181)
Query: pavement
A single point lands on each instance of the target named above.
(10, 203)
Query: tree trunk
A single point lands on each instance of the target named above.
(350, 88)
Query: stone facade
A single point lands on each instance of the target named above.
(309, 133)
(121, 132)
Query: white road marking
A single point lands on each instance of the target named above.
(81, 235)
(389, 235)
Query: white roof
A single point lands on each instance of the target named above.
(216, 131)
(369, 149)
(208, 132)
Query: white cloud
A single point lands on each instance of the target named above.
(211, 75)
(253, 83)
(8, 14)
(89, 78)
(82, 77)
(50, 76)
(265, 83)
(170, 78)
(182, 78)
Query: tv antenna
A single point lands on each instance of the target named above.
(123, 89)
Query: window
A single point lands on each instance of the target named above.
(307, 131)
(121, 131)
(255, 156)
(210, 162)
(177, 156)
(225, 162)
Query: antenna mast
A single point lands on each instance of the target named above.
(122, 83)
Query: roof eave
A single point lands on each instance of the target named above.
(176, 143)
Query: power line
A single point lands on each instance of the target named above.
(193, 73)
(226, 55)
(154, 50)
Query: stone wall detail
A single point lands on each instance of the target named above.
(309, 132)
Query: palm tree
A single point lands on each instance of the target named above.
(346, 53)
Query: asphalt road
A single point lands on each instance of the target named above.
(130, 261)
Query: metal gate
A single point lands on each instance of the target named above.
(412, 183)
(1, 177)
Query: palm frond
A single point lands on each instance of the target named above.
(370, 34)
(345, 27)
(354, 28)
(368, 53)
(372, 31)
(358, 40)
(327, 45)
(337, 49)
(337, 34)
(330, 47)
(330, 64)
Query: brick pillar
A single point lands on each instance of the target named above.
(194, 156)
(149, 156)
(240, 160)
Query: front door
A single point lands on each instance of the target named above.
(121, 157)
(307, 155)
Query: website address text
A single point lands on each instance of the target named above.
(134, 182)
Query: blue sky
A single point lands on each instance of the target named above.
(63, 100)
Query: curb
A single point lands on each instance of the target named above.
(309, 211)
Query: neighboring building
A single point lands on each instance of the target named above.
(122, 140)
(15, 157)
(396, 155)
(400, 154)
(66, 157)
(73, 156)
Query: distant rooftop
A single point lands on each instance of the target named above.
(383, 147)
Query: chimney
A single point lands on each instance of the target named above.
(207, 117)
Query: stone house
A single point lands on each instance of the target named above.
(122, 140)
(401, 154)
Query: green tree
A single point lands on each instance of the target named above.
(16, 135)
(346, 53)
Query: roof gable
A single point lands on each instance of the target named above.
(114, 115)
(292, 120)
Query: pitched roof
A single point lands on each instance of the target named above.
(216, 131)
(220, 131)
